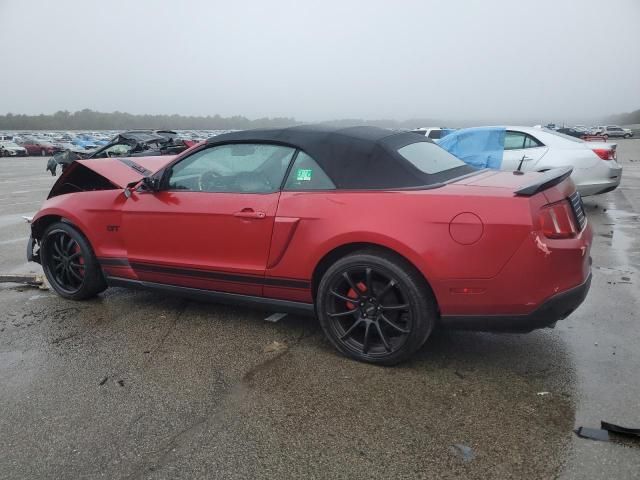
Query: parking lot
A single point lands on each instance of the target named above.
(140, 385)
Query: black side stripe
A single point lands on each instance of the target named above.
(136, 166)
(206, 274)
(114, 262)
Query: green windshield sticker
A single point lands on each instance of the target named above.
(303, 175)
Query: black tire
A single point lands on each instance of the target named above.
(69, 263)
(605, 136)
(627, 135)
(394, 334)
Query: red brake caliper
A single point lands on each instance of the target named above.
(352, 294)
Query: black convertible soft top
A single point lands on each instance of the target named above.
(353, 157)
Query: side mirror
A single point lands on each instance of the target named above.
(149, 184)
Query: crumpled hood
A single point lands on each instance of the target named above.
(122, 171)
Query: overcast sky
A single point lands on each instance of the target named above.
(552, 60)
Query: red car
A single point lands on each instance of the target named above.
(383, 235)
(40, 147)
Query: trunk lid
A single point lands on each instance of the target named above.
(525, 184)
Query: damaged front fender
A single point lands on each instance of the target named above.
(33, 250)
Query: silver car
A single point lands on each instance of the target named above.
(607, 131)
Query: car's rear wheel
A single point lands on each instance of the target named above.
(375, 307)
(69, 263)
(605, 136)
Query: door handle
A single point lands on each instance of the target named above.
(250, 213)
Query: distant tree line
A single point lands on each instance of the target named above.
(630, 118)
(90, 120)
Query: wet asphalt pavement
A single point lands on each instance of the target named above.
(140, 385)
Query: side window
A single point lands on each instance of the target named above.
(435, 134)
(514, 140)
(307, 175)
(530, 142)
(240, 168)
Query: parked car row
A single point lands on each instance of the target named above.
(81, 144)
(134, 143)
(604, 131)
(595, 169)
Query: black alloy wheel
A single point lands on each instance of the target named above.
(375, 309)
(69, 263)
(66, 261)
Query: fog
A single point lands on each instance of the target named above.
(545, 60)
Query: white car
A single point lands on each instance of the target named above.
(11, 149)
(595, 166)
(432, 133)
(535, 149)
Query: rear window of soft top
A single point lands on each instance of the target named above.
(429, 158)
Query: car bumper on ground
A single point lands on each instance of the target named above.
(558, 307)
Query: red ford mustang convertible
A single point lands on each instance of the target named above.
(383, 235)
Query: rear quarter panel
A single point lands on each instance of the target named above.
(414, 224)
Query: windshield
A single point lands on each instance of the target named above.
(429, 157)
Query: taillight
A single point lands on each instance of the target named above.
(556, 220)
(605, 153)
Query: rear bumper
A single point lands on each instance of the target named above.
(558, 307)
(601, 180)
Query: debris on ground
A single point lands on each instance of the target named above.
(462, 451)
(103, 381)
(632, 432)
(542, 394)
(275, 346)
(121, 383)
(276, 317)
(592, 434)
(30, 279)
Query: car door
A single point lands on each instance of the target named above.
(209, 226)
(521, 147)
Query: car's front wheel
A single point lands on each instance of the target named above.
(375, 307)
(69, 263)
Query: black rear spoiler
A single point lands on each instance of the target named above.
(547, 180)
